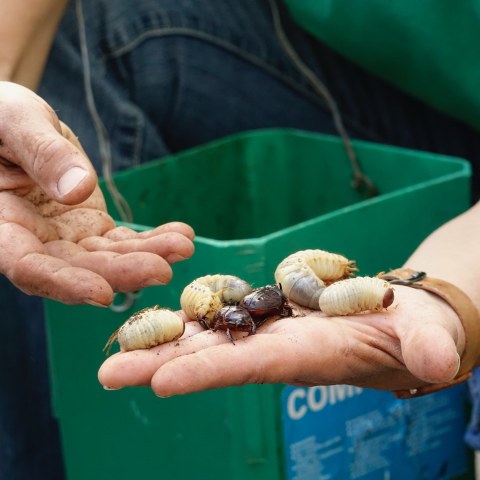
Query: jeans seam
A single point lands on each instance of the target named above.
(179, 31)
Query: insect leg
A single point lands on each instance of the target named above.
(229, 336)
(202, 322)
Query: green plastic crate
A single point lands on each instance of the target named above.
(253, 199)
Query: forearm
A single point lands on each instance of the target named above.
(26, 35)
(453, 253)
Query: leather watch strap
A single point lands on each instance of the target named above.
(466, 311)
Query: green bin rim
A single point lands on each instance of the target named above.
(464, 169)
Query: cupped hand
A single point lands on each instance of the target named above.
(56, 237)
(418, 341)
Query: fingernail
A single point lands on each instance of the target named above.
(174, 258)
(93, 303)
(153, 282)
(459, 361)
(110, 388)
(70, 179)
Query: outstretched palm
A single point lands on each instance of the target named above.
(388, 350)
(56, 238)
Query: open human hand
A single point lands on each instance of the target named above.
(56, 237)
(418, 341)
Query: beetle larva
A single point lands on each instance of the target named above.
(303, 275)
(148, 328)
(356, 295)
(205, 296)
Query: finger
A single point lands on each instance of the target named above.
(124, 233)
(137, 367)
(24, 260)
(32, 137)
(124, 272)
(51, 278)
(178, 227)
(230, 365)
(430, 353)
(172, 246)
(192, 327)
(430, 333)
(120, 233)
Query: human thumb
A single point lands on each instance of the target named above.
(33, 138)
(430, 353)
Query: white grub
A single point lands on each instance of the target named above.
(356, 295)
(148, 328)
(202, 298)
(303, 275)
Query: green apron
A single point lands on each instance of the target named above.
(429, 48)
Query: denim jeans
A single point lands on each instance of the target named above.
(169, 75)
(140, 79)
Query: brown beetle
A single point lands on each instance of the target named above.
(234, 318)
(266, 302)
